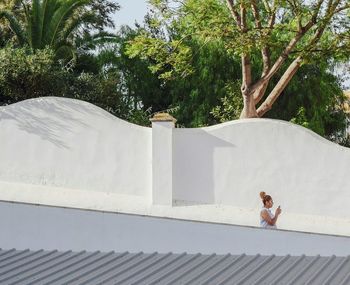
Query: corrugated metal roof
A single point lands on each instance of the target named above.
(54, 267)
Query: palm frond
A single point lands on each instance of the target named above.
(75, 24)
(65, 51)
(61, 15)
(36, 25)
(49, 9)
(26, 9)
(96, 40)
(15, 26)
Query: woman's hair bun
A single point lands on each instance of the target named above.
(262, 195)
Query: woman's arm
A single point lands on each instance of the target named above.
(265, 215)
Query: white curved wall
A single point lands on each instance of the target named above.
(73, 144)
(50, 146)
(232, 162)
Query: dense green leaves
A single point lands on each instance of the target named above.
(316, 104)
(205, 86)
(271, 31)
(56, 23)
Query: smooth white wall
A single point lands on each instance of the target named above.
(68, 144)
(73, 144)
(232, 162)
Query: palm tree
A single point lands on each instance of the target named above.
(49, 23)
(6, 34)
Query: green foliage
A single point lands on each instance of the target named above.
(315, 104)
(6, 34)
(196, 86)
(196, 95)
(27, 74)
(24, 74)
(139, 117)
(210, 20)
(57, 24)
(300, 118)
(14, 26)
(174, 54)
(231, 105)
(143, 90)
(302, 30)
(97, 89)
(205, 84)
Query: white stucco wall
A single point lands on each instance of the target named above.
(64, 152)
(72, 144)
(231, 163)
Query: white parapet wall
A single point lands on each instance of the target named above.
(232, 162)
(68, 143)
(65, 152)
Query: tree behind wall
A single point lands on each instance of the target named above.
(273, 30)
(26, 74)
(316, 105)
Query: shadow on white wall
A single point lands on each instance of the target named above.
(72, 144)
(193, 164)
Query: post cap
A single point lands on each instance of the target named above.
(163, 117)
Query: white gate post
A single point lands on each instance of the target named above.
(162, 159)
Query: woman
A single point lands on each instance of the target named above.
(267, 219)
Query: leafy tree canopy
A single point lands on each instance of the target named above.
(284, 34)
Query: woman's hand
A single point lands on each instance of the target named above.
(278, 211)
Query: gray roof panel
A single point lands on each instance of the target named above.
(46, 272)
(26, 267)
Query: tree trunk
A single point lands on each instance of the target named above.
(249, 109)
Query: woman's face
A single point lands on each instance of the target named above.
(269, 204)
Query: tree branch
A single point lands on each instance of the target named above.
(265, 51)
(260, 92)
(280, 86)
(246, 64)
(234, 13)
(331, 11)
(243, 18)
(246, 74)
(279, 62)
(296, 11)
(317, 9)
(340, 9)
(288, 49)
(256, 14)
(267, 6)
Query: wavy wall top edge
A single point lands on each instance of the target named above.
(208, 129)
(39, 100)
(275, 122)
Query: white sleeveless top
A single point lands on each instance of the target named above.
(263, 223)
